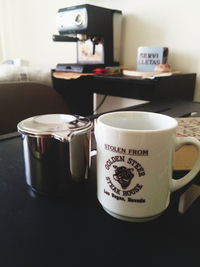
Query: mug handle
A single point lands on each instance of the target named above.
(181, 141)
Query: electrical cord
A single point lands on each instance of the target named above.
(101, 103)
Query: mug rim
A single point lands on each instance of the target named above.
(174, 122)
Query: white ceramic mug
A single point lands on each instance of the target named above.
(135, 153)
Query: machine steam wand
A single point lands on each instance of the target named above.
(95, 40)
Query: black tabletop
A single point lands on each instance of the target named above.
(75, 231)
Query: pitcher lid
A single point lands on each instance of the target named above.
(52, 124)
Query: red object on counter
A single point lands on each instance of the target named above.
(101, 70)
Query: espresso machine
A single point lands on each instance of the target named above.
(97, 33)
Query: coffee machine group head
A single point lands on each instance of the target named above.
(97, 32)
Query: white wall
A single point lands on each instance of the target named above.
(1, 54)
(28, 25)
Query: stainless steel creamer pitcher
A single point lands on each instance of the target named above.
(56, 149)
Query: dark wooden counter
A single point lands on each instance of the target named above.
(75, 231)
(78, 93)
